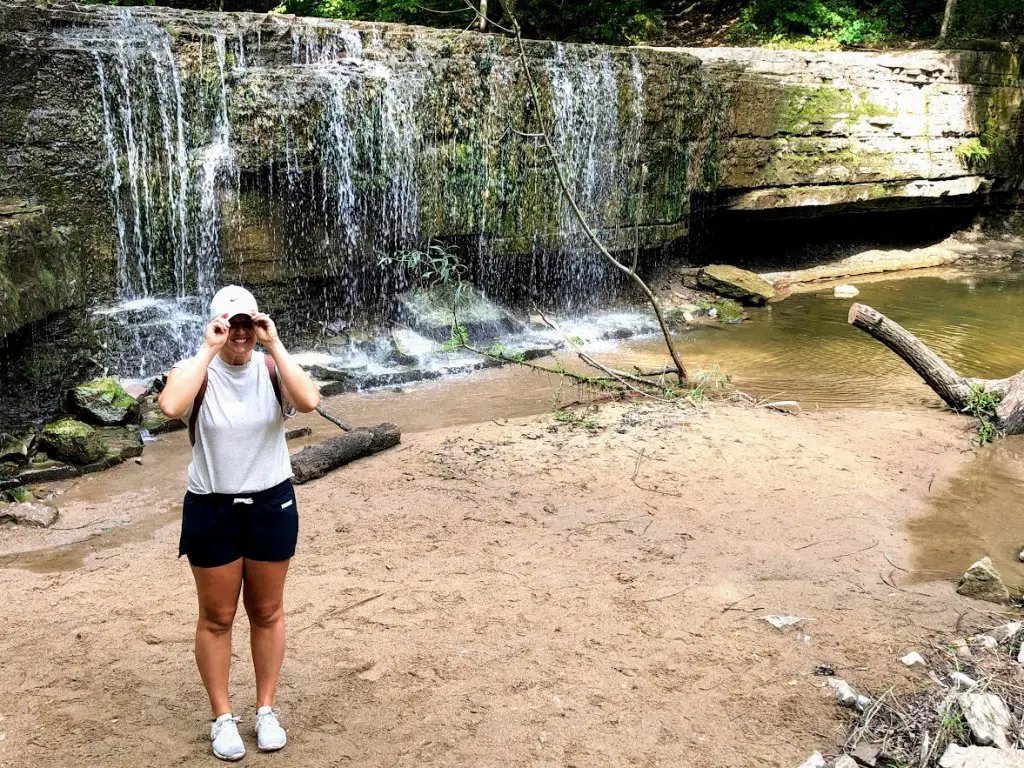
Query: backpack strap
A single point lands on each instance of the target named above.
(194, 416)
(272, 370)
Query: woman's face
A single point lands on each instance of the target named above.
(242, 336)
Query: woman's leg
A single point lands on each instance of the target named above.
(218, 590)
(264, 602)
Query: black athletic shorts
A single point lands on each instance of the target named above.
(219, 528)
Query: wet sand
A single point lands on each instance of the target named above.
(516, 592)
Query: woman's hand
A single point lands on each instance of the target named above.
(266, 331)
(216, 334)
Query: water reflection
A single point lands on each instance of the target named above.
(803, 348)
(977, 513)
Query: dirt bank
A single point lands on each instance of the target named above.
(513, 593)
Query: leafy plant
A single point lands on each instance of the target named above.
(982, 406)
(828, 22)
(572, 417)
(604, 21)
(437, 264)
(705, 382)
(973, 154)
(459, 338)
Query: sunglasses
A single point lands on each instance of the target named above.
(241, 322)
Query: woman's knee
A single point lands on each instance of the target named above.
(217, 620)
(264, 613)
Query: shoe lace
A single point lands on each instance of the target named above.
(262, 718)
(222, 724)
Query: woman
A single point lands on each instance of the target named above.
(239, 521)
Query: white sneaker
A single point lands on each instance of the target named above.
(227, 744)
(270, 736)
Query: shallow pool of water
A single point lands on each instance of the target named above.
(803, 348)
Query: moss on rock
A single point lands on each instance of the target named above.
(736, 283)
(103, 402)
(71, 440)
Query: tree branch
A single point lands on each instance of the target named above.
(591, 235)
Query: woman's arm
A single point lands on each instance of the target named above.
(183, 383)
(299, 388)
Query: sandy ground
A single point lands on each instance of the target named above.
(513, 593)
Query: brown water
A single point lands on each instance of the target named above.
(977, 512)
(803, 348)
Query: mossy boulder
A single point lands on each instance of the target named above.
(103, 402)
(16, 448)
(983, 582)
(736, 283)
(71, 440)
(431, 311)
(153, 419)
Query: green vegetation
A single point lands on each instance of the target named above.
(605, 21)
(813, 24)
(974, 155)
(726, 310)
(575, 418)
(982, 406)
(820, 24)
(437, 264)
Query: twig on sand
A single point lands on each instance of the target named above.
(858, 551)
(673, 594)
(732, 606)
(338, 611)
(655, 490)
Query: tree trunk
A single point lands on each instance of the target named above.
(483, 15)
(955, 390)
(316, 461)
(946, 19)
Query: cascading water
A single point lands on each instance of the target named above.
(299, 166)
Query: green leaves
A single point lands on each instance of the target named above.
(982, 406)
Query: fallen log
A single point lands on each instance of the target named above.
(958, 392)
(316, 461)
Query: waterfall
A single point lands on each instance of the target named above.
(297, 154)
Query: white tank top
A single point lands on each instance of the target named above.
(240, 445)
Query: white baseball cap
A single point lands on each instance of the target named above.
(233, 300)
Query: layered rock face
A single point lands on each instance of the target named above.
(193, 149)
(40, 266)
(175, 151)
(838, 130)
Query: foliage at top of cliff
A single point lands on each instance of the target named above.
(590, 21)
(815, 24)
(825, 24)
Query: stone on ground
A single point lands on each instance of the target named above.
(843, 692)
(154, 420)
(814, 761)
(962, 650)
(867, 753)
(845, 761)
(845, 291)
(982, 581)
(962, 682)
(70, 440)
(103, 402)
(988, 718)
(913, 659)
(429, 312)
(736, 283)
(16, 448)
(956, 756)
(27, 513)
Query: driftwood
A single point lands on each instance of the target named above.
(955, 390)
(317, 460)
